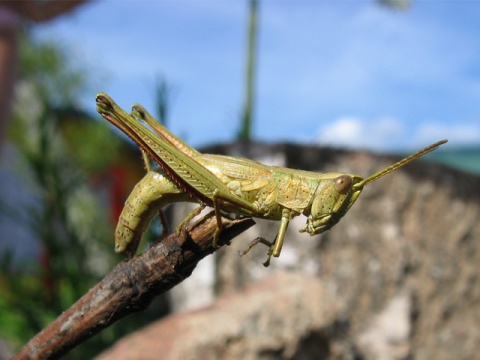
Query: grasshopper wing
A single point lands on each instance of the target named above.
(183, 170)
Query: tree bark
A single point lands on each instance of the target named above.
(131, 286)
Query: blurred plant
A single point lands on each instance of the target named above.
(396, 4)
(247, 112)
(162, 96)
(245, 132)
(65, 152)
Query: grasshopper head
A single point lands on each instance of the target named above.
(336, 193)
(333, 198)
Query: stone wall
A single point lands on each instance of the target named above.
(396, 278)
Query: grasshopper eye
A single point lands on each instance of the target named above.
(343, 184)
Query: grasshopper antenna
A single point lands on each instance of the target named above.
(398, 165)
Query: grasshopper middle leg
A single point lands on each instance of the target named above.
(275, 247)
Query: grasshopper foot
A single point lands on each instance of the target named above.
(215, 238)
(267, 262)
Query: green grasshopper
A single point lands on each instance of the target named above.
(228, 184)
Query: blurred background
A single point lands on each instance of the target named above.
(385, 76)
(355, 73)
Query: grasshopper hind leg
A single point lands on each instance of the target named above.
(163, 221)
(161, 213)
(150, 195)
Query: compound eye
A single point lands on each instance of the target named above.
(343, 184)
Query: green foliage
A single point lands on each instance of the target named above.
(49, 68)
(63, 150)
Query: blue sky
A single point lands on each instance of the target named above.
(347, 73)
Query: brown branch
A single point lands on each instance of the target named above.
(130, 287)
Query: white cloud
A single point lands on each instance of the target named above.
(457, 133)
(383, 133)
(389, 133)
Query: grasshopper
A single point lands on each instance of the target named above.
(228, 184)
